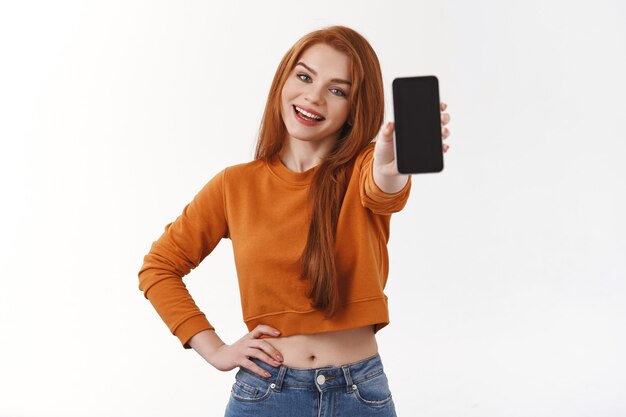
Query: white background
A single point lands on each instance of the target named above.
(507, 275)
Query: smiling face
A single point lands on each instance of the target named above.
(319, 85)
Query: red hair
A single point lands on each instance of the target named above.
(331, 179)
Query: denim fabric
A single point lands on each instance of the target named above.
(355, 389)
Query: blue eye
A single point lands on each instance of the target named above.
(342, 93)
(339, 94)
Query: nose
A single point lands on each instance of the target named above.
(314, 95)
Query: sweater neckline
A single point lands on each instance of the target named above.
(296, 178)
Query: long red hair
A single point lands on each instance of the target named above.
(331, 179)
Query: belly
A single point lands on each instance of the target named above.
(326, 349)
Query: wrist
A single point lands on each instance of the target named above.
(390, 183)
(206, 343)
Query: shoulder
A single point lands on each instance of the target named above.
(244, 169)
(234, 174)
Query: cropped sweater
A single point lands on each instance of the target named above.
(262, 208)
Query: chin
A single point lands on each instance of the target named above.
(304, 138)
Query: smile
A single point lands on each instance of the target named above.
(308, 115)
(306, 118)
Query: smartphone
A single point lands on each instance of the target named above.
(418, 142)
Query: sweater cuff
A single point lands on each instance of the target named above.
(379, 201)
(382, 196)
(190, 327)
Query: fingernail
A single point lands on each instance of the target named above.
(276, 332)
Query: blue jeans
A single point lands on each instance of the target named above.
(355, 389)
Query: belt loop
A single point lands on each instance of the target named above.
(346, 373)
(279, 379)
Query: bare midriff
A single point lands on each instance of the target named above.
(326, 349)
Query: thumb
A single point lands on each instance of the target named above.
(387, 132)
(383, 150)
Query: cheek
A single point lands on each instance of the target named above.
(284, 99)
(343, 111)
(287, 90)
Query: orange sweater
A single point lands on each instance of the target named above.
(262, 207)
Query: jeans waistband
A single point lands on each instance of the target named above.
(323, 378)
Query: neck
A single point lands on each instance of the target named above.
(300, 156)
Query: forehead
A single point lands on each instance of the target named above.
(326, 61)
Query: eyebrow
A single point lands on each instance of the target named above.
(335, 80)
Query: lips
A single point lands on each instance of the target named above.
(301, 118)
(310, 111)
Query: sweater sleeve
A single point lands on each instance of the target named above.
(183, 245)
(372, 196)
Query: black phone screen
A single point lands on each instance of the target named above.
(418, 143)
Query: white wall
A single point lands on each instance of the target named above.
(507, 269)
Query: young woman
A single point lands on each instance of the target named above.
(309, 223)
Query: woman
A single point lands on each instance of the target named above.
(309, 222)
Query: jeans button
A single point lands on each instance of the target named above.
(321, 379)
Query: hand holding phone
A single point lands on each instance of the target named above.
(418, 143)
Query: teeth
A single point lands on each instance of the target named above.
(306, 113)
